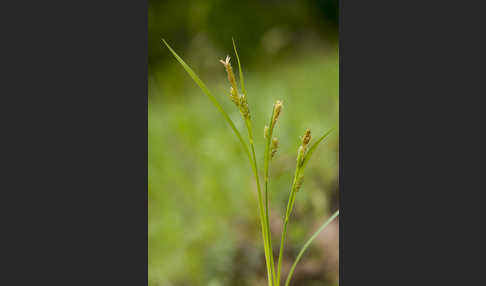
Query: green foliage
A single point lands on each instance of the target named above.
(199, 183)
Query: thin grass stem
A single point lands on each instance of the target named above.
(260, 204)
(264, 209)
(290, 205)
(266, 168)
(299, 168)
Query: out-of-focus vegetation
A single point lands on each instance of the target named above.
(203, 213)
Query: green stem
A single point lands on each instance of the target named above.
(298, 169)
(268, 256)
(266, 167)
(267, 240)
(290, 206)
(306, 245)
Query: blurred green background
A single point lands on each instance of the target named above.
(203, 212)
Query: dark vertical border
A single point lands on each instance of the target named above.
(367, 168)
(74, 98)
(410, 86)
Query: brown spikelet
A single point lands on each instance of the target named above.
(234, 96)
(277, 108)
(244, 107)
(229, 70)
(274, 147)
(303, 147)
(231, 78)
(307, 137)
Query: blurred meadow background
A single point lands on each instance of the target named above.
(203, 211)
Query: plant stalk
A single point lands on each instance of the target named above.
(266, 167)
(290, 206)
(268, 252)
(267, 240)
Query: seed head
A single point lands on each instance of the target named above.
(234, 96)
(244, 107)
(231, 75)
(303, 148)
(277, 108)
(274, 146)
(306, 138)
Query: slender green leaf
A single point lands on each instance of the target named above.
(306, 245)
(206, 91)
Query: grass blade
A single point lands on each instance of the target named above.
(267, 232)
(306, 245)
(206, 91)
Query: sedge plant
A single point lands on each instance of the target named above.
(304, 153)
